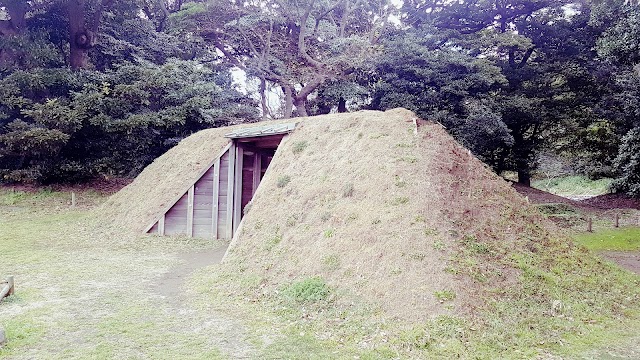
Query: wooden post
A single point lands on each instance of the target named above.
(617, 223)
(257, 169)
(230, 187)
(216, 194)
(73, 199)
(161, 225)
(237, 191)
(590, 225)
(190, 195)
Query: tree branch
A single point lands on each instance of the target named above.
(302, 46)
(526, 57)
(95, 22)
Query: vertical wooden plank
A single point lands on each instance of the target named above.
(257, 160)
(232, 164)
(190, 211)
(237, 191)
(216, 191)
(161, 225)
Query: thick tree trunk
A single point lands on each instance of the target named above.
(78, 57)
(83, 28)
(342, 105)
(288, 101)
(301, 105)
(524, 176)
(79, 38)
(263, 99)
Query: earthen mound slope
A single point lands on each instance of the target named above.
(382, 206)
(380, 210)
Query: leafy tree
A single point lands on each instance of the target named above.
(66, 125)
(618, 48)
(420, 71)
(628, 163)
(543, 55)
(298, 45)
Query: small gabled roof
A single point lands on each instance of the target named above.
(271, 129)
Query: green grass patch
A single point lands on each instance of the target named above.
(283, 180)
(445, 295)
(400, 201)
(308, 290)
(622, 239)
(573, 185)
(299, 147)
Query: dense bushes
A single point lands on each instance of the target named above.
(628, 162)
(63, 125)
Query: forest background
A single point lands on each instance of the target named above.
(99, 88)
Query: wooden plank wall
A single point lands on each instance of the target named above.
(212, 208)
(203, 205)
(223, 191)
(192, 215)
(176, 218)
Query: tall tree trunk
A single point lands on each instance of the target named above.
(79, 37)
(82, 31)
(263, 98)
(342, 105)
(301, 105)
(288, 104)
(524, 177)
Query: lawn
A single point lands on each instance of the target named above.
(568, 186)
(80, 296)
(622, 239)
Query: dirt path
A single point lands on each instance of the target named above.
(626, 259)
(172, 288)
(171, 285)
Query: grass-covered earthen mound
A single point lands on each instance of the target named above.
(360, 209)
(411, 222)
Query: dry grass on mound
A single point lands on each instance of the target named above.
(163, 181)
(378, 212)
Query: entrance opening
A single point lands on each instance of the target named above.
(213, 206)
(253, 156)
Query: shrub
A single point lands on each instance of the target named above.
(308, 290)
(283, 180)
(299, 147)
(628, 164)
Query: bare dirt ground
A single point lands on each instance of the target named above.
(596, 204)
(171, 285)
(627, 260)
(592, 204)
